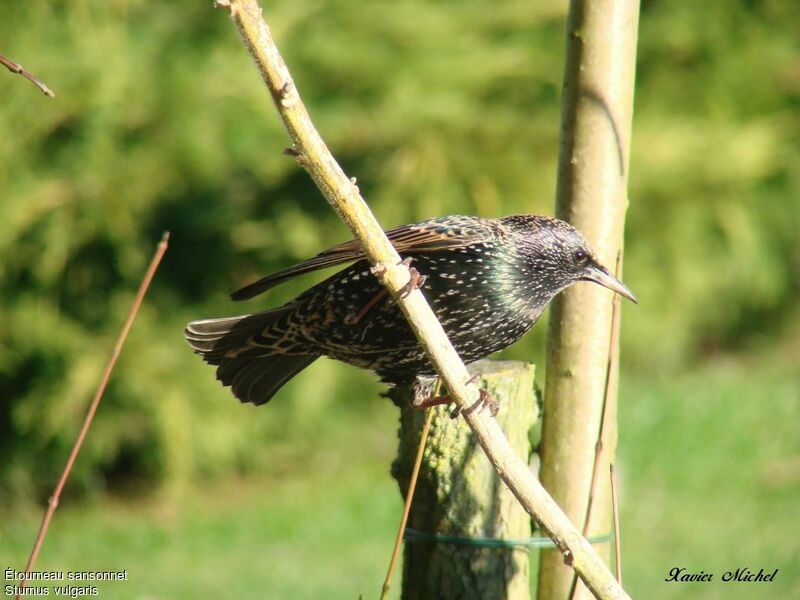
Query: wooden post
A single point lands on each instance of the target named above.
(459, 494)
(592, 195)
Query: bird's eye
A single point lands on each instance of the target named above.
(580, 257)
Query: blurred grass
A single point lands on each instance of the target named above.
(710, 477)
(709, 468)
(319, 529)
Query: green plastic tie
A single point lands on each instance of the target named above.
(415, 535)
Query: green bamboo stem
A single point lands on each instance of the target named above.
(592, 195)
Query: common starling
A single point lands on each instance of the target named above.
(487, 280)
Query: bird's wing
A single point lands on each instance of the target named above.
(407, 239)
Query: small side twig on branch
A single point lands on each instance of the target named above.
(87, 421)
(20, 70)
(343, 196)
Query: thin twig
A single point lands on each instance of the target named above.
(87, 421)
(611, 384)
(412, 485)
(615, 511)
(20, 70)
(344, 197)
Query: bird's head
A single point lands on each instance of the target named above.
(557, 255)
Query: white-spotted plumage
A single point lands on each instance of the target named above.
(487, 280)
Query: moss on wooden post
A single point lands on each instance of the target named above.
(460, 494)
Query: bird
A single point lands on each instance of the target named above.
(488, 280)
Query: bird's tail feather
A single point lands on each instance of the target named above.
(255, 373)
(257, 380)
(214, 339)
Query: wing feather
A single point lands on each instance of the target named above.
(429, 236)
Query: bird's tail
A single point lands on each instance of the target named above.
(254, 371)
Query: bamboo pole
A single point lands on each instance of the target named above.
(592, 195)
(344, 197)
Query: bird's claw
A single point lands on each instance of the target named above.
(415, 281)
(489, 402)
(486, 400)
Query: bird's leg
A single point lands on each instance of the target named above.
(432, 401)
(486, 400)
(425, 393)
(416, 281)
(353, 319)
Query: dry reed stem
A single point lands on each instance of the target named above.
(412, 485)
(87, 421)
(612, 473)
(612, 372)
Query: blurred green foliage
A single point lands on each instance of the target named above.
(160, 122)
